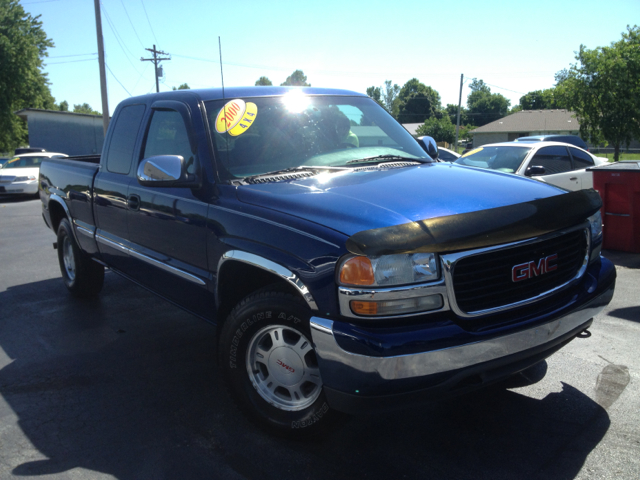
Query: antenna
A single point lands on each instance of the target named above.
(224, 107)
(221, 73)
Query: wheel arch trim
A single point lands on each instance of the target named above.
(269, 266)
(60, 201)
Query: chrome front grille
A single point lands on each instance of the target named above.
(481, 282)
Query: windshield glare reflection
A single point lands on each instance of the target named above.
(298, 130)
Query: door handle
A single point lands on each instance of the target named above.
(573, 178)
(133, 202)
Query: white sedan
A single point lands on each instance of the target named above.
(559, 164)
(20, 174)
(446, 155)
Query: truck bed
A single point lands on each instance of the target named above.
(71, 179)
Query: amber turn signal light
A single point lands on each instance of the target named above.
(357, 271)
(364, 308)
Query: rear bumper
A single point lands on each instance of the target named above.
(356, 383)
(21, 188)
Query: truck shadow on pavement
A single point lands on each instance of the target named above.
(127, 385)
(627, 313)
(623, 259)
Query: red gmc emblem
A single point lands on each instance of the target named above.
(285, 366)
(528, 270)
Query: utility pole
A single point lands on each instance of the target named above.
(103, 73)
(155, 61)
(459, 106)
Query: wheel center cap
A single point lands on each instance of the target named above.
(286, 366)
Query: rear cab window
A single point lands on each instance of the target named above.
(123, 139)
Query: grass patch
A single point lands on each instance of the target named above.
(623, 156)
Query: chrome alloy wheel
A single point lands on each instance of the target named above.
(283, 368)
(69, 259)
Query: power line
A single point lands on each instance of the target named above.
(502, 88)
(134, 28)
(140, 77)
(76, 55)
(71, 61)
(115, 33)
(149, 21)
(117, 80)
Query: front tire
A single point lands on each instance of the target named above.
(270, 366)
(82, 276)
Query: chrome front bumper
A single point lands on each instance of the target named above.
(354, 374)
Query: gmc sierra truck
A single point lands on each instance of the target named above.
(345, 269)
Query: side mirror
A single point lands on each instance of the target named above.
(534, 171)
(430, 146)
(165, 171)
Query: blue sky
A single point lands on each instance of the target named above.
(514, 46)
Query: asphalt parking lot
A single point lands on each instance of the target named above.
(126, 387)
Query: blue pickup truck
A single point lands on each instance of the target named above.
(345, 269)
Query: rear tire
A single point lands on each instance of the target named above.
(82, 276)
(270, 366)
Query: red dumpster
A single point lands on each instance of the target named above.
(619, 187)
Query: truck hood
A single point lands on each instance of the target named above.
(354, 201)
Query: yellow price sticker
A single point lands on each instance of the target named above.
(236, 117)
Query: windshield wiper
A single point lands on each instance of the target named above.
(381, 158)
(283, 171)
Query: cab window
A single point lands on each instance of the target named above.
(554, 160)
(168, 135)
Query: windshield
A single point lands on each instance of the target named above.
(504, 159)
(254, 136)
(23, 162)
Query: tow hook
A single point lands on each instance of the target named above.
(584, 334)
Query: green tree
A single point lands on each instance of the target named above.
(85, 108)
(452, 111)
(23, 44)
(540, 100)
(63, 106)
(184, 86)
(483, 106)
(376, 94)
(390, 96)
(603, 88)
(417, 102)
(263, 81)
(442, 130)
(297, 79)
(464, 132)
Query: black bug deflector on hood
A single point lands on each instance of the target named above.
(479, 229)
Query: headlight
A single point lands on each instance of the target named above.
(24, 179)
(389, 270)
(595, 221)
